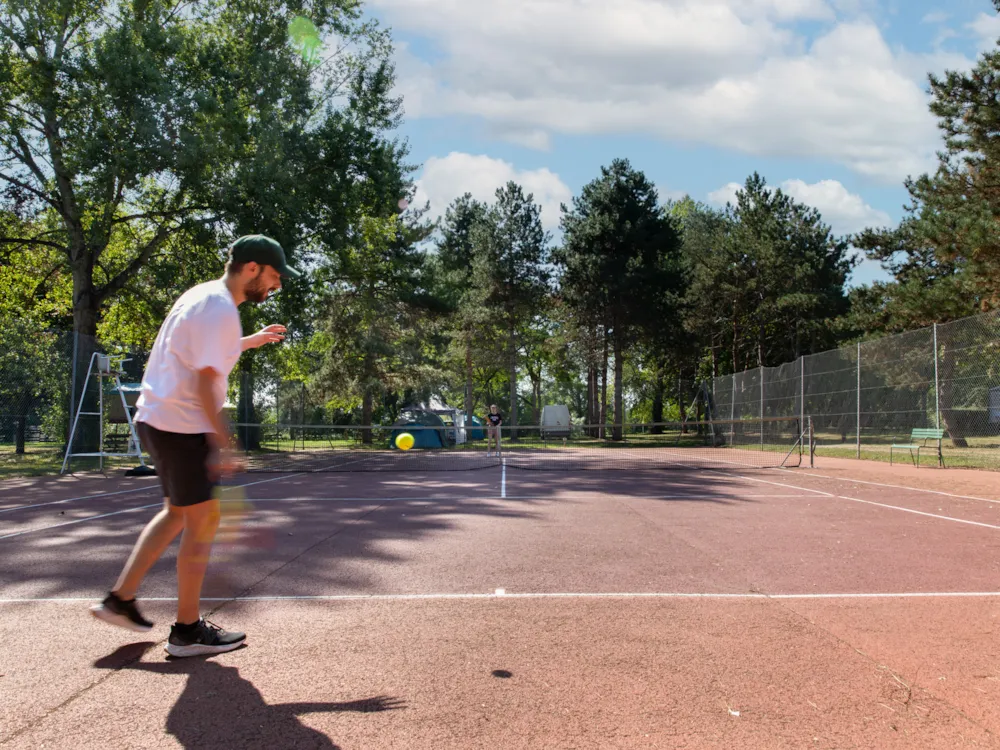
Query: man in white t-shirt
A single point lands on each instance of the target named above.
(180, 422)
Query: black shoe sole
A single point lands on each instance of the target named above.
(104, 614)
(201, 649)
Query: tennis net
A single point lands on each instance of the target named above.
(733, 444)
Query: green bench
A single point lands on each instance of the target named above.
(924, 435)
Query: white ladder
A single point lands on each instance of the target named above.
(106, 366)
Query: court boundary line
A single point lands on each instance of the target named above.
(81, 520)
(879, 505)
(425, 498)
(151, 488)
(119, 512)
(891, 486)
(155, 487)
(540, 595)
(384, 500)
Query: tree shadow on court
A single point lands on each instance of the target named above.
(219, 708)
(335, 526)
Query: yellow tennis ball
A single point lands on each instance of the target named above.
(404, 441)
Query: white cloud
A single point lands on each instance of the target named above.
(727, 73)
(725, 194)
(537, 140)
(935, 17)
(667, 194)
(445, 178)
(986, 28)
(844, 211)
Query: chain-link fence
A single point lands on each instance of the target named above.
(862, 398)
(866, 397)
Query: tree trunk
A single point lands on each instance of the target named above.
(682, 406)
(603, 419)
(619, 427)
(512, 362)
(366, 416)
(249, 434)
(20, 434)
(536, 397)
(468, 383)
(658, 400)
(86, 309)
(591, 397)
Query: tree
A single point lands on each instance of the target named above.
(456, 253)
(953, 220)
(944, 255)
(620, 263)
(771, 282)
(126, 124)
(371, 333)
(509, 269)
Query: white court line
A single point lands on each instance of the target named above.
(880, 505)
(80, 520)
(151, 488)
(126, 510)
(554, 595)
(427, 499)
(891, 486)
(503, 478)
(477, 498)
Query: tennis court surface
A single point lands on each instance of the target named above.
(845, 605)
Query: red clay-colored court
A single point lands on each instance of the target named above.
(849, 605)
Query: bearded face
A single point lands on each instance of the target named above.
(265, 281)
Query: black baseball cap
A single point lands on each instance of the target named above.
(256, 248)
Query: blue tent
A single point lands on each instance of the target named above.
(422, 438)
(471, 433)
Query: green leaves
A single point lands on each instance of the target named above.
(766, 277)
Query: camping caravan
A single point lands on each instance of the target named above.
(555, 421)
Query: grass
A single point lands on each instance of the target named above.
(983, 452)
(45, 459)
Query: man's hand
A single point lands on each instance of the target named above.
(225, 463)
(272, 334)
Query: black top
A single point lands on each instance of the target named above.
(494, 419)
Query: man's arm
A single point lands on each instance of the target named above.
(272, 334)
(221, 437)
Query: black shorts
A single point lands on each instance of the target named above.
(181, 462)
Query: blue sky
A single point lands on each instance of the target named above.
(825, 98)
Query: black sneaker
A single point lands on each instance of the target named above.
(202, 638)
(121, 613)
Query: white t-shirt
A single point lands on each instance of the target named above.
(202, 330)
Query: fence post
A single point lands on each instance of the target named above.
(802, 393)
(937, 398)
(857, 431)
(732, 404)
(762, 407)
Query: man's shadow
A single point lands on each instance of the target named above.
(220, 709)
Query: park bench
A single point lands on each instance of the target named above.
(924, 435)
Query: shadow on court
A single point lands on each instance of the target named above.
(220, 709)
(306, 516)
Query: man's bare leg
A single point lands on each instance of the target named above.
(152, 543)
(200, 522)
(119, 607)
(190, 635)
